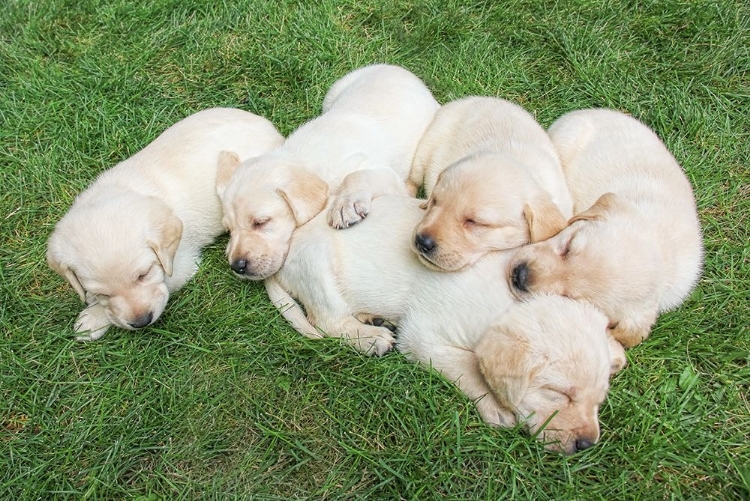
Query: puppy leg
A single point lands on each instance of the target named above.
(317, 288)
(462, 368)
(352, 201)
(378, 321)
(92, 323)
(369, 339)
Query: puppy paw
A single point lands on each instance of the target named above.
(373, 340)
(368, 319)
(91, 324)
(348, 209)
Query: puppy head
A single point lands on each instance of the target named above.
(548, 361)
(117, 251)
(482, 203)
(264, 200)
(606, 257)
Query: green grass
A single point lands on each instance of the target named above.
(221, 399)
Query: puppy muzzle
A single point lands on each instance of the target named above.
(239, 266)
(425, 244)
(520, 277)
(142, 321)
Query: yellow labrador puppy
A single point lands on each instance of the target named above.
(360, 147)
(634, 247)
(520, 362)
(136, 233)
(494, 182)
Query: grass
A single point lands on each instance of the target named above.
(221, 399)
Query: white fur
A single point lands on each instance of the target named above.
(472, 126)
(494, 182)
(342, 277)
(372, 121)
(634, 247)
(150, 215)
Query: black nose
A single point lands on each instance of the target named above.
(582, 444)
(142, 321)
(238, 266)
(520, 277)
(424, 243)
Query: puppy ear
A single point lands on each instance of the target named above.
(598, 210)
(228, 163)
(544, 219)
(617, 358)
(64, 271)
(507, 364)
(166, 240)
(306, 194)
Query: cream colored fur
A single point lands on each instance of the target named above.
(343, 277)
(494, 182)
(136, 233)
(634, 247)
(360, 147)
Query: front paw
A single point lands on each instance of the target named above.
(373, 340)
(377, 321)
(92, 323)
(349, 209)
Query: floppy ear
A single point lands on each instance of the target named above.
(616, 356)
(166, 241)
(544, 219)
(306, 194)
(228, 163)
(507, 364)
(598, 210)
(64, 271)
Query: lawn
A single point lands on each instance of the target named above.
(221, 399)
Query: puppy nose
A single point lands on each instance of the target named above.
(238, 266)
(424, 243)
(583, 444)
(142, 321)
(520, 277)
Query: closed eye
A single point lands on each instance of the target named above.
(471, 222)
(260, 223)
(559, 396)
(143, 276)
(566, 248)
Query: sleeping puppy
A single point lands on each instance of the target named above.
(494, 182)
(136, 233)
(634, 247)
(360, 147)
(520, 362)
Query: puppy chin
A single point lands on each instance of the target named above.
(432, 265)
(253, 276)
(557, 446)
(427, 263)
(517, 294)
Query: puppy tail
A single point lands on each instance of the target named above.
(290, 309)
